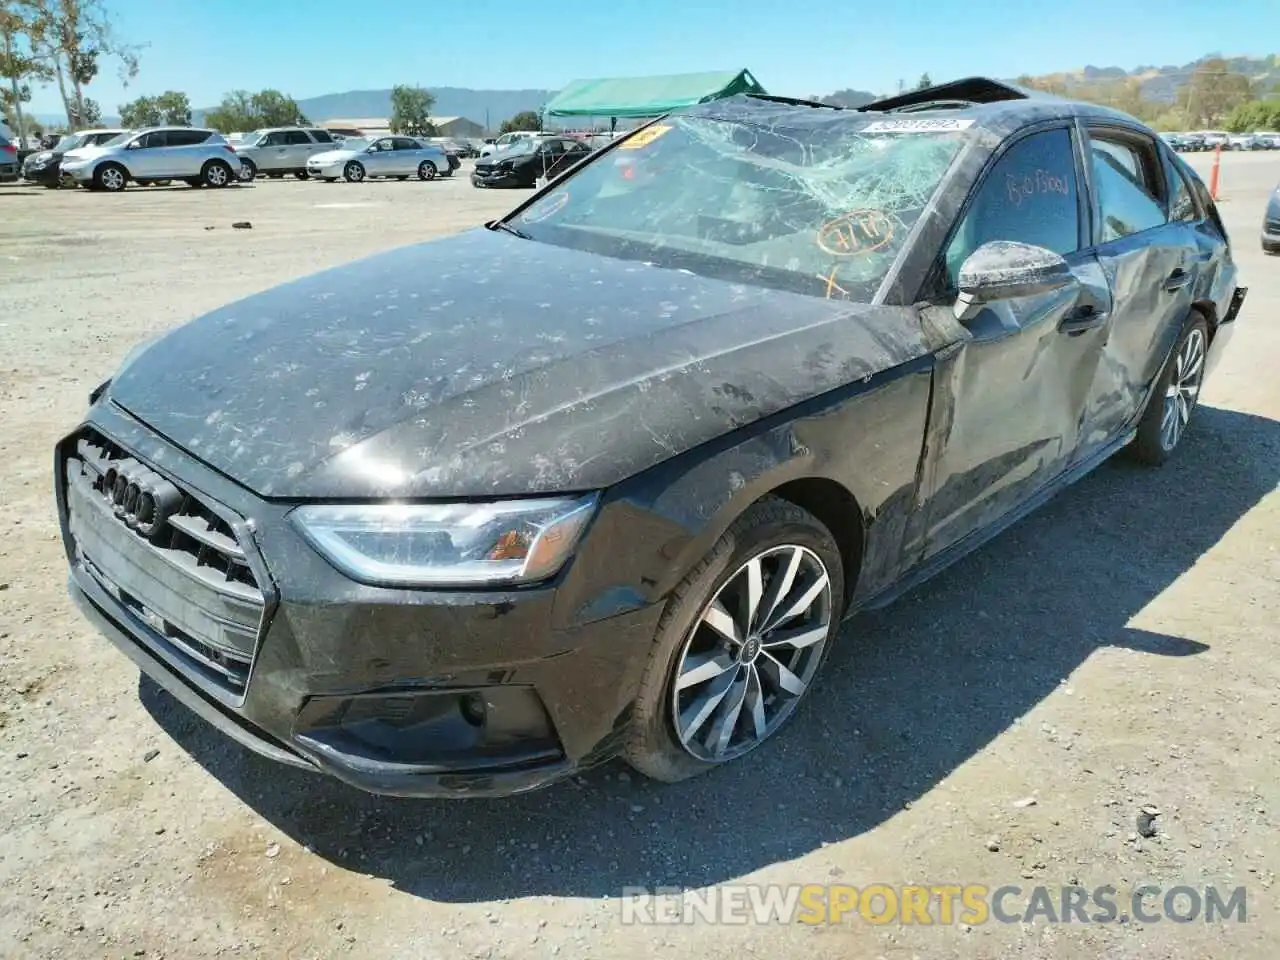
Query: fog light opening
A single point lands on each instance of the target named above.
(473, 709)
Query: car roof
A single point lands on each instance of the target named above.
(980, 102)
(177, 127)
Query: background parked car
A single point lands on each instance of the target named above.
(521, 164)
(509, 139)
(44, 166)
(276, 151)
(360, 159)
(198, 157)
(1271, 224)
(1243, 141)
(8, 160)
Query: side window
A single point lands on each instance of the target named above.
(321, 136)
(156, 138)
(1126, 182)
(404, 143)
(272, 140)
(386, 143)
(1029, 196)
(186, 138)
(1182, 205)
(296, 138)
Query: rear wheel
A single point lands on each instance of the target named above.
(426, 170)
(354, 172)
(1174, 399)
(111, 177)
(740, 643)
(302, 175)
(216, 173)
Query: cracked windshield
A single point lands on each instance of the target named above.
(821, 211)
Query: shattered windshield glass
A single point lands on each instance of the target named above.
(820, 212)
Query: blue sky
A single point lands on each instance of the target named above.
(311, 47)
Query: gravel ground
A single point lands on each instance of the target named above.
(1114, 650)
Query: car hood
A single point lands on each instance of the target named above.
(332, 156)
(488, 365)
(84, 153)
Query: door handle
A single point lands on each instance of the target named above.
(1177, 280)
(1082, 318)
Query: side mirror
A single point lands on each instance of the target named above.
(134, 146)
(1004, 269)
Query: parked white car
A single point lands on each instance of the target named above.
(276, 151)
(202, 158)
(507, 139)
(395, 156)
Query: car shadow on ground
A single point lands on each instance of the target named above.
(911, 693)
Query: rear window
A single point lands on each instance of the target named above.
(186, 138)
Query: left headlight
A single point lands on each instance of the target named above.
(454, 544)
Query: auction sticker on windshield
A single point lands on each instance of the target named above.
(919, 125)
(644, 137)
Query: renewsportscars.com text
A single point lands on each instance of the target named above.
(935, 904)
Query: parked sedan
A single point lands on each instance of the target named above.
(526, 161)
(1271, 223)
(45, 166)
(606, 476)
(400, 157)
(201, 158)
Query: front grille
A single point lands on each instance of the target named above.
(1272, 225)
(168, 558)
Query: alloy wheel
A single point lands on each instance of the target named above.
(1184, 389)
(112, 179)
(216, 176)
(752, 653)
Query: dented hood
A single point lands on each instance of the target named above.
(485, 365)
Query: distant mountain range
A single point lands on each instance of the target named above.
(1160, 84)
(1163, 84)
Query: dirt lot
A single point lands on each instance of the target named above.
(1116, 649)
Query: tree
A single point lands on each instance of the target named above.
(524, 120)
(1214, 90)
(241, 110)
(72, 38)
(170, 109)
(924, 83)
(1256, 115)
(275, 109)
(411, 111)
(18, 64)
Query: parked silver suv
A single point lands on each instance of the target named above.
(280, 150)
(202, 158)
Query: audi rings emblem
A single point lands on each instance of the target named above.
(140, 497)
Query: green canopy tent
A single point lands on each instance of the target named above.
(647, 96)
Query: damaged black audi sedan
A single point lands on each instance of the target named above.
(603, 477)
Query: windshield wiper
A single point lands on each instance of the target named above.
(514, 231)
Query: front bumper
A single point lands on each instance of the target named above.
(331, 170)
(495, 178)
(77, 174)
(1271, 230)
(401, 692)
(43, 174)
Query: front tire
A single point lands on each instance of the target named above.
(426, 170)
(741, 641)
(1177, 391)
(216, 173)
(111, 177)
(248, 171)
(302, 175)
(354, 172)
